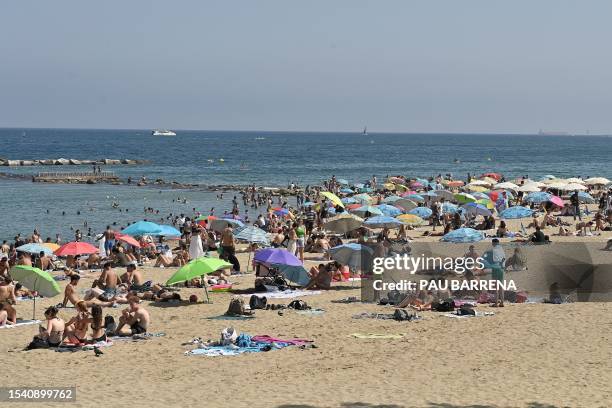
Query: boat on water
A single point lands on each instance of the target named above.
(365, 131)
(553, 133)
(162, 132)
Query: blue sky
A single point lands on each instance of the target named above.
(406, 66)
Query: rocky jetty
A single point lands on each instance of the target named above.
(70, 162)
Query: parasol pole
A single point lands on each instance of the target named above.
(34, 311)
(206, 290)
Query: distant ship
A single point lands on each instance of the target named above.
(260, 138)
(162, 132)
(365, 131)
(552, 133)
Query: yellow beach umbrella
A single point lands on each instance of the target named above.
(410, 219)
(478, 189)
(487, 203)
(389, 186)
(333, 198)
(51, 245)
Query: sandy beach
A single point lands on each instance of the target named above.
(525, 355)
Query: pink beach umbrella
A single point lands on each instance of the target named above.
(557, 201)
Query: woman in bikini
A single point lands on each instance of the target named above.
(54, 332)
(76, 328)
(98, 331)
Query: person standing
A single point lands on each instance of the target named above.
(228, 246)
(575, 201)
(498, 258)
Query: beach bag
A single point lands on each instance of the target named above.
(403, 315)
(243, 340)
(110, 325)
(37, 343)
(236, 307)
(466, 310)
(298, 305)
(521, 297)
(447, 305)
(228, 336)
(257, 302)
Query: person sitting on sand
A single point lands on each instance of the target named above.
(582, 227)
(24, 259)
(53, 333)
(563, 232)
(7, 291)
(4, 267)
(517, 261)
(135, 316)
(161, 295)
(8, 314)
(76, 327)
(98, 331)
(108, 282)
(538, 236)
(70, 294)
(134, 279)
(43, 262)
(321, 280)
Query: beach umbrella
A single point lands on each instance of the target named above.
(389, 210)
(350, 254)
(512, 213)
(573, 187)
(415, 197)
(401, 187)
(530, 188)
(405, 204)
(478, 209)
(391, 199)
(396, 180)
(308, 204)
(389, 186)
(294, 273)
(594, 181)
(141, 228)
(76, 248)
(558, 201)
(462, 235)
(410, 219)
(333, 198)
(346, 190)
(422, 212)
(506, 186)
(365, 209)
(221, 223)
(343, 223)
(559, 185)
(196, 268)
(449, 208)
(366, 190)
(35, 249)
(343, 182)
(574, 180)
(494, 195)
(382, 221)
(537, 197)
(549, 177)
(252, 234)
(486, 202)
(480, 196)
(416, 184)
(454, 183)
(362, 198)
(168, 231)
(51, 245)
(127, 239)
(331, 210)
(479, 189)
(495, 176)
(276, 256)
(481, 183)
(445, 194)
(282, 212)
(359, 185)
(585, 197)
(463, 198)
(348, 200)
(36, 280)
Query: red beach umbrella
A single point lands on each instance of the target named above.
(76, 248)
(127, 239)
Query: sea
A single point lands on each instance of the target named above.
(273, 159)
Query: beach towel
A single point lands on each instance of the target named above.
(376, 336)
(388, 316)
(478, 314)
(87, 347)
(311, 312)
(230, 317)
(287, 294)
(214, 351)
(350, 299)
(20, 323)
(137, 337)
(267, 339)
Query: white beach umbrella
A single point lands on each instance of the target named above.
(480, 183)
(575, 180)
(573, 186)
(506, 186)
(597, 181)
(529, 188)
(558, 185)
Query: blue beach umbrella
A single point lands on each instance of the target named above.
(35, 249)
(221, 223)
(585, 197)
(538, 197)
(168, 231)
(512, 213)
(480, 196)
(252, 234)
(348, 200)
(449, 208)
(389, 210)
(141, 228)
(350, 254)
(463, 235)
(391, 199)
(364, 209)
(422, 212)
(343, 182)
(475, 208)
(346, 190)
(415, 197)
(382, 221)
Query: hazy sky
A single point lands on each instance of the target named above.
(408, 66)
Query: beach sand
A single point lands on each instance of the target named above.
(525, 355)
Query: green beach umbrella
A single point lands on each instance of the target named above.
(196, 268)
(35, 279)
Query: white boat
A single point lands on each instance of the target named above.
(162, 132)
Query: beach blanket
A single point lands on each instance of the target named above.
(311, 312)
(20, 323)
(137, 337)
(228, 317)
(350, 299)
(256, 347)
(478, 314)
(86, 347)
(268, 339)
(286, 294)
(377, 336)
(384, 316)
